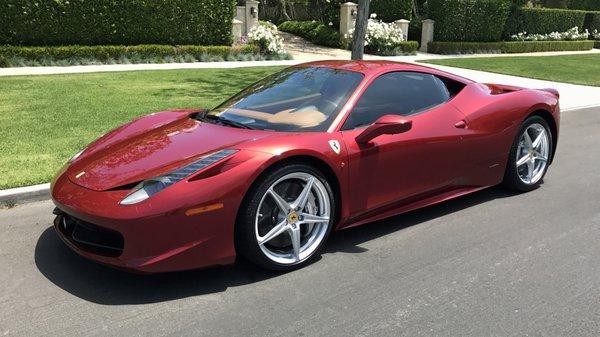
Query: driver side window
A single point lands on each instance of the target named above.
(397, 93)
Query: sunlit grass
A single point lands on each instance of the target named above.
(576, 69)
(46, 119)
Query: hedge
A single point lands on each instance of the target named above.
(543, 21)
(16, 55)
(592, 21)
(116, 22)
(597, 44)
(592, 5)
(315, 32)
(404, 48)
(391, 10)
(469, 20)
(507, 47)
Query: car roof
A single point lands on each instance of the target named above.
(373, 67)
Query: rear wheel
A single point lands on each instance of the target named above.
(286, 218)
(529, 155)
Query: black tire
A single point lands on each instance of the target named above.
(511, 176)
(245, 238)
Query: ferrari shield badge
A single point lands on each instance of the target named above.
(335, 146)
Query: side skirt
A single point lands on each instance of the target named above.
(396, 209)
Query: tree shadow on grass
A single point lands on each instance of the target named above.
(218, 86)
(103, 285)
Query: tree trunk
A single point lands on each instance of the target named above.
(283, 4)
(360, 30)
(415, 8)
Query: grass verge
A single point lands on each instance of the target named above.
(46, 119)
(576, 69)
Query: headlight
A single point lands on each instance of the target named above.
(149, 187)
(75, 156)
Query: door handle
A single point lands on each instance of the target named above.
(460, 125)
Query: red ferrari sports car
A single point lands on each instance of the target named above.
(269, 173)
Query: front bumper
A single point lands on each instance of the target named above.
(155, 236)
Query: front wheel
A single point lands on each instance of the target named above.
(529, 155)
(286, 218)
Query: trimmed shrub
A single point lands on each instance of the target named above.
(11, 56)
(592, 21)
(507, 47)
(597, 44)
(404, 48)
(591, 5)
(542, 46)
(391, 10)
(469, 20)
(115, 22)
(315, 32)
(447, 48)
(542, 21)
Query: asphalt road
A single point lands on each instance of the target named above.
(492, 263)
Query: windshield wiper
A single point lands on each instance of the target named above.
(225, 121)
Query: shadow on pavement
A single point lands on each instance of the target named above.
(103, 285)
(349, 240)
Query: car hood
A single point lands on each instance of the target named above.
(151, 146)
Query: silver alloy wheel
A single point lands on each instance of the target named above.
(296, 223)
(532, 153)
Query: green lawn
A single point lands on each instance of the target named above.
(576, 69)
(44, 120)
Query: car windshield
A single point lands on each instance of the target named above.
(295, 99)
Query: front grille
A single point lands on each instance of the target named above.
(89, 237)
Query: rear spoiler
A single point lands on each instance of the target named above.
(496, 89)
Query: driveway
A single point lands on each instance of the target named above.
(491, 263)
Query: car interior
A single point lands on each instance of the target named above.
(307, 100)
(399, 93)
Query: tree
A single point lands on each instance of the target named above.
(360, 30)
(284, 4)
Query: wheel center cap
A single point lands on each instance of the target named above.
(292, 218)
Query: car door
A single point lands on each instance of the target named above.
(395, 169)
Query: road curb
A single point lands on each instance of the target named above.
(25, 194)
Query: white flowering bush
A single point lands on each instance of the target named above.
(382, 38)
(265, 36)
(596, 34)
(570, 35)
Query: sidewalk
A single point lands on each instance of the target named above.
(572, 96)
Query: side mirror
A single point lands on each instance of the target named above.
(385, 125)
